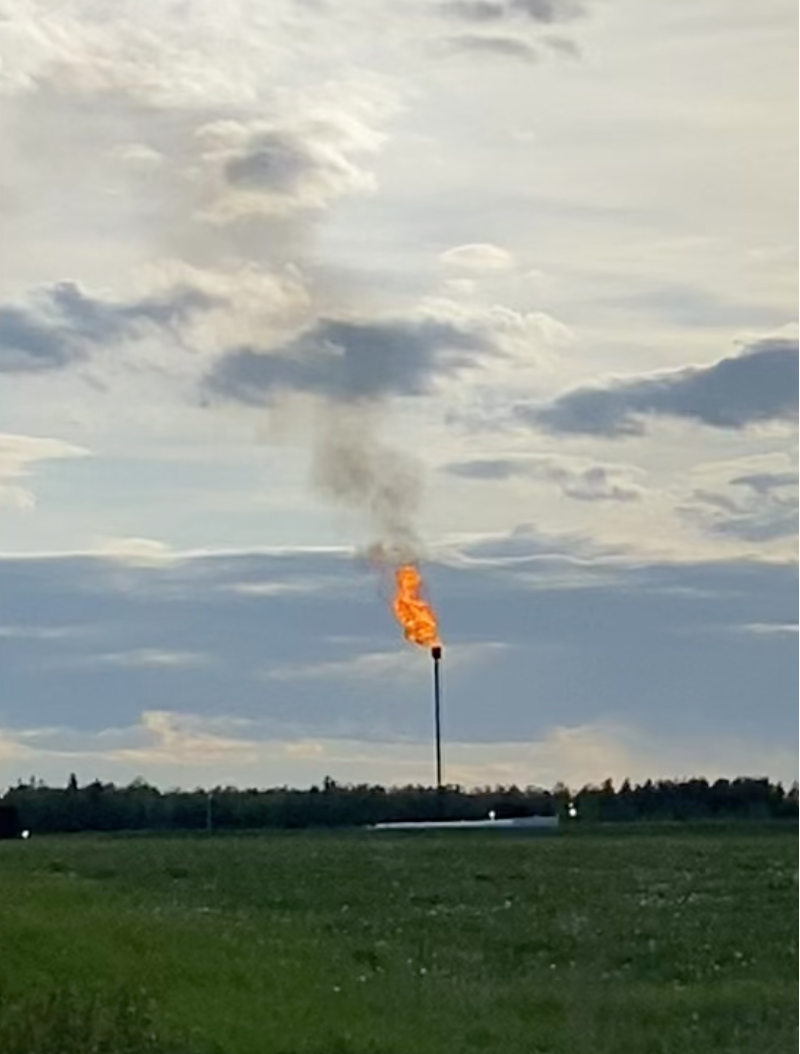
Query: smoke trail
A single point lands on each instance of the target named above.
(354, 469)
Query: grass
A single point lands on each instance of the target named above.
(668, 940)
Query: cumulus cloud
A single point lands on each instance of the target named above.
(581, 480)
(61, 324)
(300, 164)
(759, 385)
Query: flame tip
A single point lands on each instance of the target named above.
(412, 611)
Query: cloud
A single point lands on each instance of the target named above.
(514, 15)
(352, 359)
(252, 301)
(157, 657)
(765, 483)
(502, 46)
(769, 627)
(562, 46)
(477, 258)
(544, 12)
(374, 667)
(300, 164)
(201, 151)
(135, 552)
(61, 325)
(347, 359)
(545, 559)
(206, 752)
(18, 454)
(756, 507)
(694, 307)
(162, 59)
(759, 385)
(581, 480)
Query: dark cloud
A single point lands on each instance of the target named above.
(62, 324)
(758, 385)
(579, 481)
(548, 11)
(752, 527)
(275, 160)
(545, 12)
(350, 361)
(26, 343)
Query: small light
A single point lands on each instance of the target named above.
(26, 834)
(571, 810)
(492, 814)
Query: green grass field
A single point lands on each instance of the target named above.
(631, 942)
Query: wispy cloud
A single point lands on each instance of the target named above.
(575, 478)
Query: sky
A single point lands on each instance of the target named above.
(291, 292)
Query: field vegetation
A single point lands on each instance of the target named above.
(625, 939)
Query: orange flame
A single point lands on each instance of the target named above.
(413, 613)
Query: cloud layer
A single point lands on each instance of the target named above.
(757, 386)
(538, 626)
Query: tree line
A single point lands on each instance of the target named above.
(99, 806)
